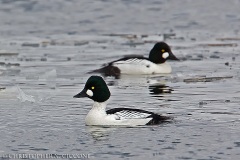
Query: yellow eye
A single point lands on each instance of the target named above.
(163, 50)
(93, 87)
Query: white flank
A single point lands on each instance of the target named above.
(97, 116)
(142, 66)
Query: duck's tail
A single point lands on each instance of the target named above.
(107, 71)
(158, 119)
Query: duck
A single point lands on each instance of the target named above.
(97, 90)
(140, 65)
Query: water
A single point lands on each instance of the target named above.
(46, 48)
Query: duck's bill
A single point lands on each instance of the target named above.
(81, 94)
(172, 56)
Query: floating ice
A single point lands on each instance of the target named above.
(7, 53)
(49, 78)
(23, 96)
(153, 38)
(51, 75)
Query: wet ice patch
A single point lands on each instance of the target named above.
(2, 69)
(153, 38)
(206, 79)
(22, 96)
(7, 53)
(17, 92)
(49, 78)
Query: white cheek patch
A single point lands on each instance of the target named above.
(165, 55)
(89, 93)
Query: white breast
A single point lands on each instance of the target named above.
(142, 66)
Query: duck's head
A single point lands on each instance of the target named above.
(95, 89)
(161, 52)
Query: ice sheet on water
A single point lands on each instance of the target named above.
(2, 69)
(16, 92)
(23, 96)
(49, 78)
(153, 38)
(50, 75)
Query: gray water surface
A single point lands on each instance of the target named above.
(47, 48)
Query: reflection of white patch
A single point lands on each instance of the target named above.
(165, 55)
(89, 93)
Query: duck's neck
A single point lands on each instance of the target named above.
(96, 114)
(99, 107)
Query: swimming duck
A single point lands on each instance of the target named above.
(97, 90)
(139, 65)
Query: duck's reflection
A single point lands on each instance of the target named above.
(159, 89)
(156, 84)
(100, 133)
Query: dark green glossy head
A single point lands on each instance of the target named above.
(160, 53)
(95, 89)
